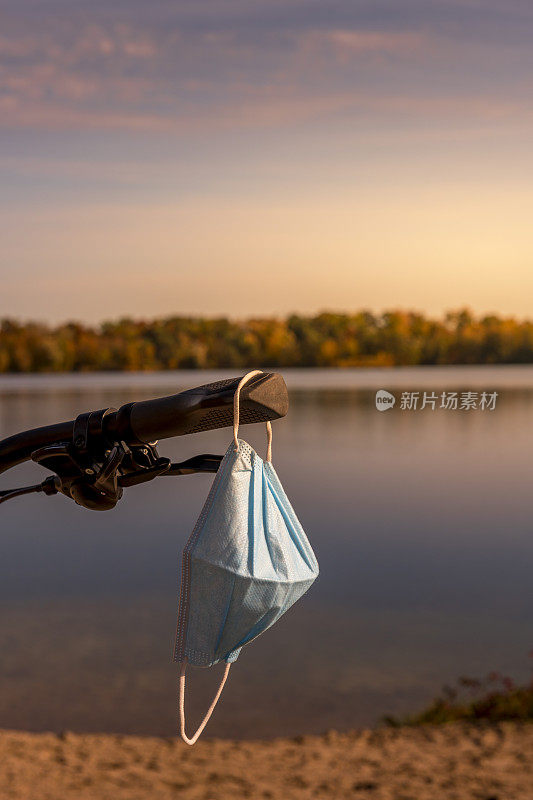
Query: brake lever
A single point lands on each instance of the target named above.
(147, 474)
(203, 463)
(207, 462)
(105, 489)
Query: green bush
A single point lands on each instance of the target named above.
(494, 698)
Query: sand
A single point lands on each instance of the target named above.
(450, 761)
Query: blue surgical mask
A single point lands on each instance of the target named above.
(247, 561)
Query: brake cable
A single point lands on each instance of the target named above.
(48, 486)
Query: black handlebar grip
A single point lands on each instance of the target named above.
(204, 408)
(207, 407)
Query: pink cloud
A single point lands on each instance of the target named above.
(120, 77)
(359, 41)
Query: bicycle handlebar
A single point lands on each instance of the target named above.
(203, 408)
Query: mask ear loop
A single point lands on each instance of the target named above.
(210, 710)
(236, 411)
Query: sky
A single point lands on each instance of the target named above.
(260, 157)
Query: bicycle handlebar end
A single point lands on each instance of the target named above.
(206, 408)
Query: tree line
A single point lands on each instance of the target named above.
(323, 340)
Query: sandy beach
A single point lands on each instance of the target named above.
(451, 761)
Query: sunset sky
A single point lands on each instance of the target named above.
(255, 157)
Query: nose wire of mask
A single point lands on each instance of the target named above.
(193, 739)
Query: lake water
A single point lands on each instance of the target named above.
(421, 521)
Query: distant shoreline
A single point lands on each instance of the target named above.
(328, 339)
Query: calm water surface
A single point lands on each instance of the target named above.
(421, 521)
